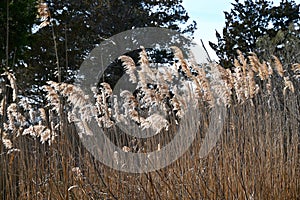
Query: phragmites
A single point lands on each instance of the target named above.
(182, 62)
(288, 85)
(12, 81)
(43, 114)
(130, 105)
(221, 83)
(278, 66)
(296, 70)
(43, 13)
(253, 88)
(130, 67)
(12, 115)
(143, 56)
(202, 86)
(52, 97)
(281, 72)
(162, 96)
(156, 122)
(239, 82)
(7, 142)
(146, 75)
(17, 124)
(5, 137)
(241, 61)
(40, 131)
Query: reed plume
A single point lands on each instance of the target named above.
(259, 135)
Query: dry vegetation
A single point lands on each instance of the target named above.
(257, 156)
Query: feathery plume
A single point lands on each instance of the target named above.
(43, 114)
(156, 122)
(143, 57)
(278, 66)
(239, 83)
(52, 97)
(296, 70)
(221, 84)
(252, 86)
(45, 135)
(183, 64)
(167, 74)
(12, 80)
(106, 89)
(263, 71)
(254, 62)
(130, 67)
(43, 13)
(7, 143)
(12, 114)
(242, 61)
(288, 85)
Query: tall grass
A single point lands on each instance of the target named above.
(257, 156)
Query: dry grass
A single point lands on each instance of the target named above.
(257, 156)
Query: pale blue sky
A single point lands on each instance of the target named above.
(209, 15)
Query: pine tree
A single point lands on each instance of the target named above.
(77, 27)
(251, 21)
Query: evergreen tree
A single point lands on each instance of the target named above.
(76, 27)
(16, 19)
(251, 21)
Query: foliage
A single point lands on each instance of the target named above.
(78, 26)
(252, 20)
(285, 44)
(16, 19)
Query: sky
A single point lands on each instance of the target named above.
(209, 15)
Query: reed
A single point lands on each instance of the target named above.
(257, 156)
